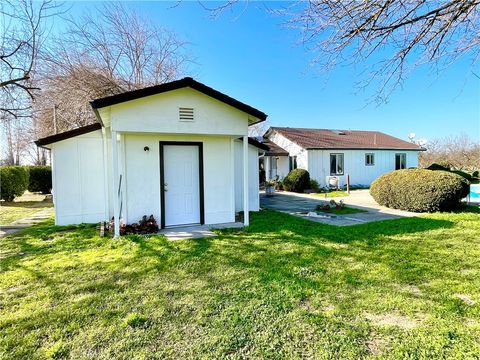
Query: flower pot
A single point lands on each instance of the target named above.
(269, 190)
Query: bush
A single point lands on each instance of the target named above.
(297, 180)
(13, 182)
(40, 179)
(314, 185)
(475, 174)
(436, 166)
(420, 190)
(463, 174)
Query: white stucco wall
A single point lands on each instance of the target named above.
(354, 164)
(78, 179)
(160, 113)
(293, 150)
(253, 177)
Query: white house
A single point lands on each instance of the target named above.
(362, 155)
(175, 150)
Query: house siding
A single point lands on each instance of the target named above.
(354, 164)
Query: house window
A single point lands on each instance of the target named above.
(369, 160)
(273, 163)
(292, 162)
(336, 164)
(400, 161)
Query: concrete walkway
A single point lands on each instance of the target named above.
(196, 231)
(300, 204)
(25, 223)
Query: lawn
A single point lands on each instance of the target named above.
(345, 210)
(284, 288)
(332, 193)
(22, 207)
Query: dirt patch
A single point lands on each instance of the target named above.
(412, 289)
(466, 299)
(328, 308)
(400, 321)
(376, 346)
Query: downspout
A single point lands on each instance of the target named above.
(105, 174)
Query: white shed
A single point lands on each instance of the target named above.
(175, 150)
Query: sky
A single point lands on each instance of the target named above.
(250, 55)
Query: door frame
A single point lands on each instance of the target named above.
(200, 177)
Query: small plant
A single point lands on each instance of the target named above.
(270, 182)
(314, 185)
(135, 320)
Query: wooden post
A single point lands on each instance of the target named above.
(348, 184)
(246, 215)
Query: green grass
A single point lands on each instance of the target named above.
(333, 193)
(345, 210)
(12, 211)
(283, 288)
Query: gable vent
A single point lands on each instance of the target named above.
(185, 114)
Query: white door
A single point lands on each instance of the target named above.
(182, 184)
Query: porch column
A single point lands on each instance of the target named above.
(267, 166)
(246, 215)
(116, 183)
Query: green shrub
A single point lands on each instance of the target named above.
(442, 166)
(463, 174)
(40, 179)
(13, 182)
(314, 185)
(420, 190)
(475, 174)
(297, 180)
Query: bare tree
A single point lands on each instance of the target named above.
(100, 56)
(458, 152)
(402, 33)
(22, 36)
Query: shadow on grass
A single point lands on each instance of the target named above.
(278, 261)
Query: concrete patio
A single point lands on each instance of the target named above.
(196, 231)
(298, 204)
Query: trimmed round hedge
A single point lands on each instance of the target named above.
(13, 182)
(420, 190)
(40, 179)
(297, 180)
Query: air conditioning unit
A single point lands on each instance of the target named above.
(332, 181)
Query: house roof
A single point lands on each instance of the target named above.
(174, 85)
(67, 134)
(274, 149)
(343, 139)
(254, 142)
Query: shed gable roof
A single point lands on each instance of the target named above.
(174, 85)
(342, 139)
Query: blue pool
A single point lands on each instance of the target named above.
(474, 193)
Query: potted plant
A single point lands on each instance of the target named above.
(270, 187)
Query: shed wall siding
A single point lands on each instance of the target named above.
(78, 179)
(253, 177)
(142, 176)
